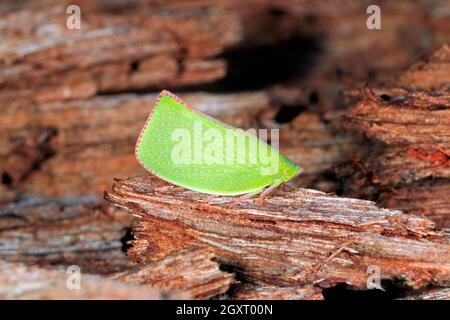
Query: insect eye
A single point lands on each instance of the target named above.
(287, 171)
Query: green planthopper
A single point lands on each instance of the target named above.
(185, 147)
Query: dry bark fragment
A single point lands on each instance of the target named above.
(398, 181)
(394, 166)
(412, 173)
(298, 237)
(435, 294)
(190, 270)
(430, 198)
(420, 119)
(18, 281)
(146, 47)
(64, 231)
(395, 179)
(152, 44)
(432, 72)
(257, 292)
(314, 142)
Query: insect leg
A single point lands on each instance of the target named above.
(245, 197)
(268, 191)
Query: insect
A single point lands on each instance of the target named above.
(187, 148)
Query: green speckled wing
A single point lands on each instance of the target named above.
(217, 168)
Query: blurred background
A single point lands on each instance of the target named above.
(72, 101)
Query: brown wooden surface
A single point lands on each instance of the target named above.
(412, 172)
(65, 129)
(432, 72)
(72, 103)
(191, 271)
(249, 291)
(433, 196)
(417, 118)
(436, 294)
(144, 48)
(297, 237)
(18, 281)
(64, 231)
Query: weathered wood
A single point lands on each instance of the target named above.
(393, 166)
(64, 231)
(436, 294)
(18, 281)
(419, 118)
(191, 271)
(63, 132)
(396, 180)
(432, 72)
(344, 40)
(145, 48)
(317, 143)
(6, 193)
(258, 292)
(430, 198)
(298, 237)
(412, 173)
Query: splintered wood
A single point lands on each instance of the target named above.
(433, 197)
(249, 291)
(412, 172)
(436, 294)
(64, 231)
(418, 118)
(18, 281)
(72, 103)
(112, 52)
(429, 73)
(298, 237)
(71, 123)
(190, 271)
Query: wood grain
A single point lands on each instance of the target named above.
(299, 236)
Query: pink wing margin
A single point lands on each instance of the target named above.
(162, 94)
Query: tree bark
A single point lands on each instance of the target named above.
(298, 237)
(249, 291)
(18, 281)
(411, 173)
(419, 118)
(436, 294)
(190, 270)
(64, 231)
